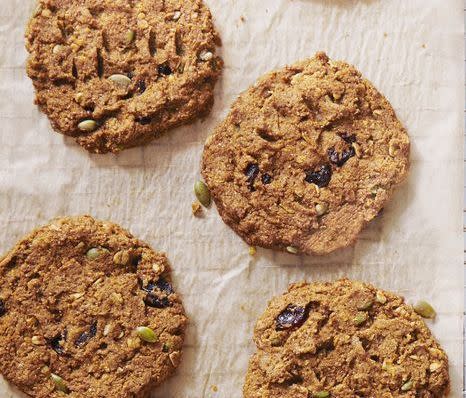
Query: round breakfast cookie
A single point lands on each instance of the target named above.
(306, 157)
(344, 339)
(116, 73)
(89, 310)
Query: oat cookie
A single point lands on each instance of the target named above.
(306, 157)
(344, 339)
(89, 310)
(117, 73)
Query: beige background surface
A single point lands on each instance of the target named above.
(411, 49)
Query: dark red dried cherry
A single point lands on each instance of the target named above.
(321, 177)
(292, 316)
(86, 336)
(252, 171)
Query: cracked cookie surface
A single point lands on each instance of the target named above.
(344, 339)
(306, 157)
(117, 73)
(73, 294)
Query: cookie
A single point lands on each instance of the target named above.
(114, 74)
(306, 158)
(89, 310)
(344, 339)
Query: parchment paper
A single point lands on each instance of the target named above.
(411, 49)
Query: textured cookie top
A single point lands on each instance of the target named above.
(306, 157)
(344, 340)
(72, 296)
(116, 73)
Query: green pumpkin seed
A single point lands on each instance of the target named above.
(321, 394)
(387, 365)
(360, 318)
(120, 80)
(60, 384)
(407, 386)
(380, 298)
(292, 250)
(95, 252)
(321, 209)
(87, 125)
(166, 347)
(206, 55)
(146, 334)
(364, 306)
(202, 193)
(36, 340)
(424, 309)
(130, 36)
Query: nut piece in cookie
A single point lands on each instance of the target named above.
(306, 158)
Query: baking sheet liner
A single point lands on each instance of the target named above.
(411, 50)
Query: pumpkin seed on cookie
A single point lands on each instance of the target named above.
(130, 36)
(95, 252)
(88, 125)
(120, 80)
(206, 55)
(60, 384)
(360, 318)
(321, 394)
(147, 334)
(321, 209)
(407, 386)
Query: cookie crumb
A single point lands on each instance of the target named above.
(196, 209)
(214, 388)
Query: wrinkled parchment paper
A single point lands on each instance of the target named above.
(411, 50)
